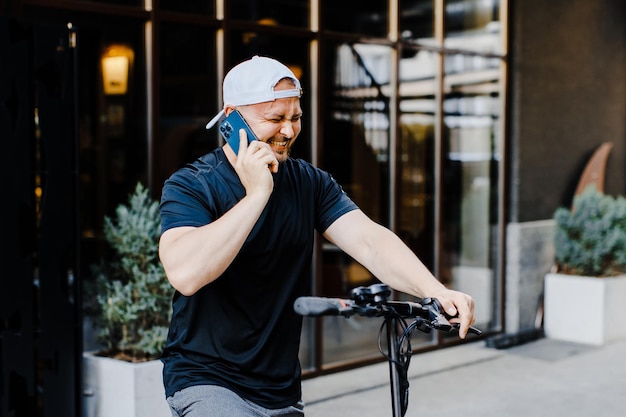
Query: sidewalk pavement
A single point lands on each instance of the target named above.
(540, 378)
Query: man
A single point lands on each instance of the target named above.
(238, 232)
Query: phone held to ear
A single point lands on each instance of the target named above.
(230, 127)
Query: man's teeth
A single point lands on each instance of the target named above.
(279, 143)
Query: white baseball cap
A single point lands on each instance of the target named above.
(253, 81)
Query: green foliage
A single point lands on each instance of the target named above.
(133, 293)
(590, 239)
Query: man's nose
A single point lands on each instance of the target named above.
(287, 129)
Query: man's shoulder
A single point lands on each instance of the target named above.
(207, 171)
(211, 161)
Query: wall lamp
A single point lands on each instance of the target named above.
(116, 62)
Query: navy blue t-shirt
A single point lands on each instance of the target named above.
(240, 331)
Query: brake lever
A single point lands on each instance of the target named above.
(439, 319)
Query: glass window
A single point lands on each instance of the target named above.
(356, 153)
(191, 6)
(415, 195)
(117, 2)
(473, 25)
(356, 124)
(270, 12)
(188, 96)
(416, 182)
(112, 131)
(359, 17)
(417, 21)
(472, 156)
(113, 144)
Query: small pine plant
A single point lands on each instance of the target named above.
(134, 294)
(590, 239)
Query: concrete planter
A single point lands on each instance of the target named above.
(114, 388)
(585, 310)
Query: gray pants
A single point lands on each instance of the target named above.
(215, 401)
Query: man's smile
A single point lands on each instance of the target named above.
(278, 144)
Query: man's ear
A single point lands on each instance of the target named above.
(228, 110)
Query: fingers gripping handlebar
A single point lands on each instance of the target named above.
(372, 302)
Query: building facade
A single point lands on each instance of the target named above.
(459, 124)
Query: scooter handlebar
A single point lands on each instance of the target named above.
(322, 306)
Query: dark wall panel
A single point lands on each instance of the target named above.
(568, 83)
(39, 303)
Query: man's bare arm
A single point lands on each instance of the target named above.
(384, 254)
(195, 256)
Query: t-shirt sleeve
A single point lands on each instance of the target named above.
(183, 203)
(333, 202)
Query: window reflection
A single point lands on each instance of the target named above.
(112, 132)
(118, 2)
(270, 12)
(357, 125)
(192, 6)
(417, 20)
(366, 17)
(473, 25)
(415, 195)
(416, 184)
(188, 99)
(472, 154)
(356, 153)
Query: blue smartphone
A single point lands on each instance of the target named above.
(230, 127)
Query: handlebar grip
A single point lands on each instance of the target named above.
(319, 306)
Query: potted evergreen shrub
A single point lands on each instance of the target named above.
(585, 298)
(133, 311)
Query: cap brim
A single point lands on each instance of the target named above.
(215, 119)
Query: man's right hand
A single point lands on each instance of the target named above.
(253, 161)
